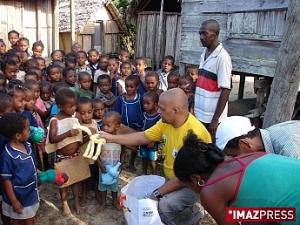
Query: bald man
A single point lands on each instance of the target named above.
(214, 81)
(175, 200)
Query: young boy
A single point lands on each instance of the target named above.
(152, 82)
(110, 155)
(126, 70)
(70, 77)
(99, 110)
(54, 73)
(193, 71)
(10, 69)
(129, 106)
(81, 63)
(113, 68)
(93, 58)
(167, 66)
(102, 70)
(105, 95)
(141, 66)
(13, 37)
(85, 82)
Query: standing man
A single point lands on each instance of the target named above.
(176, 201)
(214, 82)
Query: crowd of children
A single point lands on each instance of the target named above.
(104, 92)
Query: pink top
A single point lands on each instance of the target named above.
(40, 105)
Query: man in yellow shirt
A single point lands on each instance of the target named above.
(175, 200)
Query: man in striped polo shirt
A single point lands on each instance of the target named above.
(214, 82)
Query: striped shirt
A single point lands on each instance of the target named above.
(214, 74)
(283, 139)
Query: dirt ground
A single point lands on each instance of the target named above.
(50, 207)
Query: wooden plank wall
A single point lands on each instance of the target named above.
(31, 19)
(251, 31)
(147, 34)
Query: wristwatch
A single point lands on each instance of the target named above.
(157, 194)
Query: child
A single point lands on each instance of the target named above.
(81, 63)
(23, 45)
(41, 64)
(85, 82)
(66, 100)
(113, 68)
(23, 60)
(93, 58)
(152, 82)
(46, 94)
(13, 37)
(124, 56)
(54, 73)
(57, 55)
(99, 110)
(167, 67)
(173, 79)
(76, 47)
(141, 66)
(187, 84)
(37, 49)
(18, 171)
(102, 70)
(129, 106)
(110, 155)
(70, 77)
(148, 153)
(85, 114)
(193, 71)
(2, 84)
(10, 69)
(71, 63)
(2, 48)
(126, 71)
(31, 75)
(105, 95)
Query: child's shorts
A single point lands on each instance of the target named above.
(104, 187)
(148, 153)
(27, 212)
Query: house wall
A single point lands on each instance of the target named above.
(251, 31)
(147, 36)
(32, 19)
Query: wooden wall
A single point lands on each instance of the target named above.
(147, 34)
(32, 19)
(251, 31)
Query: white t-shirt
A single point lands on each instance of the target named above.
(214, 74)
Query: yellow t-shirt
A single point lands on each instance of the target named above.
(172, 139)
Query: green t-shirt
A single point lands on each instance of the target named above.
(82, 93)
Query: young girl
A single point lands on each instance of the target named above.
(46, 94)
(148, 153)
(58, 55)
(18, 171)
(54, 73)
(193, 72)
(152, 82)
(173, 79)
(103, 65)
(37, 49)
(129, 106)
(13, 37)
(126, 70)
(93, 58)
(187, 84)
(167, 67)
(67, 147)
(2, 48)
(84, 89)
(23, 45)
(99, 110)
(70, 77)
(10, 69)
(81, 63)
(113, 69)
(110, 155)
(141, 66)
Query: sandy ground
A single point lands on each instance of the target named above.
(50, 208)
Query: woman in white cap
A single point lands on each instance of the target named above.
(248, 180)
(235, 135)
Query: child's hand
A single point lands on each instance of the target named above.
(17, 207)
(73, 132)
(93, 130)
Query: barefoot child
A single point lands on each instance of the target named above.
(148, 152)
(110, 155)
(66, 143)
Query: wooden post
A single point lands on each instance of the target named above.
(160, 30)
(55, 24)
(72, 21)
(287, 74)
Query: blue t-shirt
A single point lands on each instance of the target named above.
(30, 117)
(20, 169)
(149, 121)
(54, 110)
(131, 111)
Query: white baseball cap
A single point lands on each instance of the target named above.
(232, 127)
